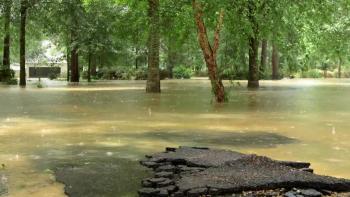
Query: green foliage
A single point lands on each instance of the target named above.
(39, 85)
(312, 74)
(115, 32)
(163, 74)
(141, 73)
(53, 76)
(12, 81)
(6, 75)
(119, 73)
(182, 72)
(125, 73)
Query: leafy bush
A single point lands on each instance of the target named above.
(126, 73)
(84, 74)
(182, 72)
(231, 74)
(53, 76)
(201, 73)
(345, 74)
(311, 74)
(12, 81)
(163, 74)
(6, 74)
(141, 74)
(227, 74)
(39, 85)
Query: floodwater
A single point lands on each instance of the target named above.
(104, 128)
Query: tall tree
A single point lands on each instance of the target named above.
(275, 62)
(210, 51)
(7, 20)
(74, 12)
(263, 59)
(74, 58)
(23, 10)
(253, 77)
(153, 80)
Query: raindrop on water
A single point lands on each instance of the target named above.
(333, 131)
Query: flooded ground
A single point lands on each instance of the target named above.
(102, 130)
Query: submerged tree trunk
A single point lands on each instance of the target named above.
(209, 51)
(22, 42)
(263, 61)
(275, 62)
(7, 18)
(253, 77)
(153, 80)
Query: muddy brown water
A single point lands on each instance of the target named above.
(116, 123)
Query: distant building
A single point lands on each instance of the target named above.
(62, 65)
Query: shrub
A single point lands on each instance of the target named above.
(182, 72)
(346, 74)
(141, 74)
(163, 74)
(118, 73)
(53, 76)
(227, 74)
(311, 74)
(6, 74)
(201, 73)
(12, 81)
(231, 74)
(39, 85)
(84, 75)
(123, 73)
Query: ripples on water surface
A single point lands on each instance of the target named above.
(116, 123)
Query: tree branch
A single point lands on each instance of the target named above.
(202, 32)
(217, 32)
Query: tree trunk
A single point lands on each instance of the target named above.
(68, 63)
(275, 62)
(89, 67)
(253, 77)
(153, 80)
(93, 66)
(171, 61)
(136, 58)
(22, 43)
(263, 61)
(209, 51)
(74, 65)
(7, 18)
(74, 56)
(339, 67)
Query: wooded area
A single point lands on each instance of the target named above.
(236, 40)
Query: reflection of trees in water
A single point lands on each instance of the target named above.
(253, 103)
